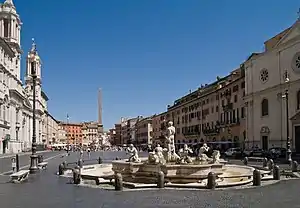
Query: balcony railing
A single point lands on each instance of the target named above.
(213, 131)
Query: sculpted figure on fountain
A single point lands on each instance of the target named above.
(216, 156)
(202, 153)
(170, 134)
(185, 154)
(157, 157)
(134, 157)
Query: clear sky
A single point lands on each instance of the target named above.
(144, 54)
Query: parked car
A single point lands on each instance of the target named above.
(247, 152)
(259, 153)
(233, 152)
(277, 152)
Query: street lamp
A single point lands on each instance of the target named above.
(288, 142)
(34, 157)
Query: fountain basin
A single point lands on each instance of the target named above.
(174, 173)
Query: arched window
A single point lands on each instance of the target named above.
(264, 107)
(298, 100)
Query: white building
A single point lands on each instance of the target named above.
(90, 132)
(15, 101)
(61, 135)
(265, 88)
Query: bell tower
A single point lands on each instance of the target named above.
(10, 31)
(28, 75)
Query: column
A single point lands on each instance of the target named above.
(19, 35)
(12, 28)
(2, 27)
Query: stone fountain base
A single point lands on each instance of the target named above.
(174, 173)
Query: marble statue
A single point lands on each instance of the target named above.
(174, 157)
(184, 154)
(202, 153)
(157, 156)
(134, 157)
(170, 135)
(216, 156)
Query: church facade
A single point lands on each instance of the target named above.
(269, 76)
(15, 98)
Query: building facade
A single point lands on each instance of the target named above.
(73, 132)
(269, 75)
(128, 129)
(90, 132)
(51, 129)
(144, 131)
(214, 113)
(15, 101)
(61, 135)
(158, 126)
(118, 137)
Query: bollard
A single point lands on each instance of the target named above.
(211, 180)
(76, 176)
(65, 164)
(271, 165)
(295, 166)
(161, 180)
(256, 178)
(80, 163)
(265, 162)
(99, 160)
(17, 163)
(276, 173)
(40, 158)
(97, 181)
(61, 169)
(118, 182)
(246, 160)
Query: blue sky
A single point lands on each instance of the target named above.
(144, 54)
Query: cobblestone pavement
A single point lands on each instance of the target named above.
(47, 190)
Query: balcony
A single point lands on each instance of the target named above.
(191, 133)
(211, 132)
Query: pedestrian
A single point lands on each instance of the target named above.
(89, 152)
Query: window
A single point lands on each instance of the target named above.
(243, 112)
(235, 88)
(243, 85)
(6, 28)
(298, 100)
(264, 107)
(264, 75)
(235, 98)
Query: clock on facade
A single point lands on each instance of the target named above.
(296, 63)
(264, 75)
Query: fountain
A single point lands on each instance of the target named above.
(180, 169)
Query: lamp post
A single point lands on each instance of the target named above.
(34, 157)
(288, 142)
